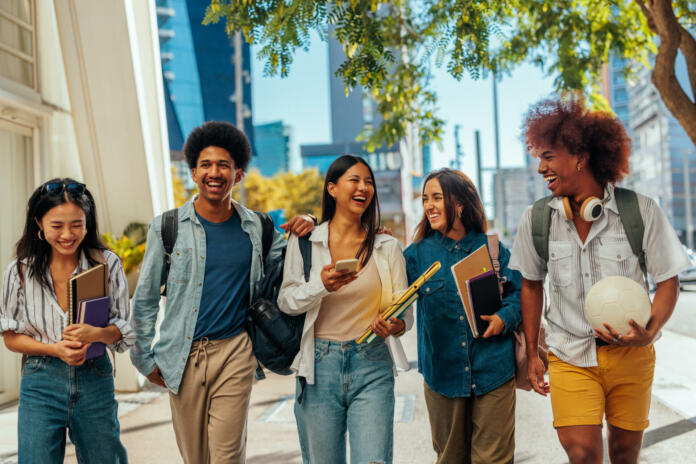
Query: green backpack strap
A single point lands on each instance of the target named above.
(629, 212)
(541, 223)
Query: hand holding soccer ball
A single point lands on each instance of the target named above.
(612, 304)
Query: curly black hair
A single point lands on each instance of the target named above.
(568, 123)
(218, 134)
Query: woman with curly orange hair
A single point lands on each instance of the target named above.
(593, 373)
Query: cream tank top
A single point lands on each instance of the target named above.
(346, 313)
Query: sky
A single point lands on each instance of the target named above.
(302, 101)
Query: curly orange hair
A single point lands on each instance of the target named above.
(567, 123)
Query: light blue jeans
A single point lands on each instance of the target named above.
(54, 396)
(353, 391)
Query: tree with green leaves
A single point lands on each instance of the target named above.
(391, 46)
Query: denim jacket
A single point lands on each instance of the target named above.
(454, 363)
(184, 290)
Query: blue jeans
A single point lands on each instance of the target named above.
(353, 390)
(54, 396)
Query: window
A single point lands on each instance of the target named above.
(17, 42)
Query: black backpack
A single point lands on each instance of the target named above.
(275, 336)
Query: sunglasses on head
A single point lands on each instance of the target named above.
(57, 188)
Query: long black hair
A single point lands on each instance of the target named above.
(37, 252)
(370, 219)
(456, 188)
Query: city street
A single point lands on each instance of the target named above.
(148, 436)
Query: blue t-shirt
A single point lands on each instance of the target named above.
(225, 295)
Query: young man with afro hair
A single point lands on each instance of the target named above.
(593, 373)
(204, 355)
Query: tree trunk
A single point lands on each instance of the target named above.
(672, 38)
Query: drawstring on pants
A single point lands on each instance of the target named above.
(202, 346)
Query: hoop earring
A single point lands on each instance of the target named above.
(40, 237)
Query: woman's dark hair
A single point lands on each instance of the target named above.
(457, 188)
(37, 252)
(370, 219)
(218, 134)
(566, 122)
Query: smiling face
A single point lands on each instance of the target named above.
(63, 227)
(354, 190)
(434, 205)
(215, 174)
(560, 170)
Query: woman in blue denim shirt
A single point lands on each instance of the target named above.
(60, 389)
(469, 382)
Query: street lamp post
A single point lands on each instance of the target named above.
(239, 99)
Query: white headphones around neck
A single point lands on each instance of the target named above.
(590, 210)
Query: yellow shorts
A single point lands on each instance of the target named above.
(620, 386)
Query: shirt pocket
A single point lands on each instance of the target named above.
(560, 258)
(617, 259)
(432, 296)
(180, 269)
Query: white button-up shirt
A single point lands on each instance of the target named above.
(574, 266)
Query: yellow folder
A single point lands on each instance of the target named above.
(403, 302)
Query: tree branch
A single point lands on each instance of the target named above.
(648, 15)
(688, 48)
(663, 77)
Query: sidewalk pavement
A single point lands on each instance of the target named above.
(148, 436)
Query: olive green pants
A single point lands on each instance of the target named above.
(473, 430)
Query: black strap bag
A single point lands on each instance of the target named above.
(275, 336)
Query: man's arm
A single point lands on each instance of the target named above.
(146, 302)
(532, 300)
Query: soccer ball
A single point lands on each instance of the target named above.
(615, 300)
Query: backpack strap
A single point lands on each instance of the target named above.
(170, 225)
(494, 252)
(541, 223)
(306, 252)
(629, 212)
(267, 232)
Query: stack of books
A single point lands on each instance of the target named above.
(89, 302)
(478, 288)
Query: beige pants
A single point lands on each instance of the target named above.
(210, 411)
(474, 430)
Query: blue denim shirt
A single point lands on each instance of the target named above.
(184, 290)
(453, 363)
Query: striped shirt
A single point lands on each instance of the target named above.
(33, 310)
(573, 267)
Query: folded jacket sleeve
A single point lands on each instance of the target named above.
(12, 304)
(297, 296)
(119, 312)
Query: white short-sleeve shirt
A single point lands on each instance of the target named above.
(573, 267)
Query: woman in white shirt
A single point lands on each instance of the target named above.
(60, 388)
(343, 386)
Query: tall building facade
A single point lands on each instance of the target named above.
(397, 168)
(663, 158)
(198, 69)
(273, 141)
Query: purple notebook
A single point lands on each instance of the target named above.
(95, 312)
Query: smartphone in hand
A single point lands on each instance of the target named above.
(350, 265)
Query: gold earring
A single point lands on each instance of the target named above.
(579, 168)
(40, 237)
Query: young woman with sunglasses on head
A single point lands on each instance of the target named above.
(59, 389)
(343, 386)
(469, 382)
